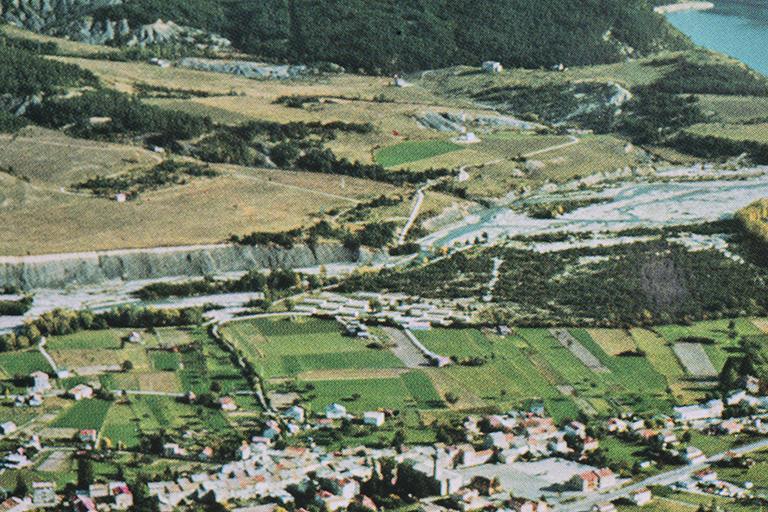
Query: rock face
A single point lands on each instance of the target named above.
(73, 19)
(57, 271)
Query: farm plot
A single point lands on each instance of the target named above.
(695, 360)
(23, 363)
(613, 341)
(284, 348)
(762, 324)
(413, 151)
(110, 339)
(85, 414)
(411, 390)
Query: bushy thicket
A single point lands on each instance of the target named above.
(276, 281)
(128, 116)
(23, 73)
(689, 76)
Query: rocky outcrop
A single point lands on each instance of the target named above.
(246, 68)
(61, 270)
(73, 19)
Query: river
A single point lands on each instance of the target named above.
(738, 28)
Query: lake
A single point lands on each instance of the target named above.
(738, 28)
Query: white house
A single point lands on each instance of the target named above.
(491, 66)
(134, 337)
(374, 418)
(295, 413)
(641, 497)
(710, 410)
(81, 392)
(40, 382)
(335, 412)
(8, 427)
(227, 403)
(694, 455)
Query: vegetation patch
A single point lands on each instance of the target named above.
(85, 414)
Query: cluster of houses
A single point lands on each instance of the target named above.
(706, 481)
(400, 309)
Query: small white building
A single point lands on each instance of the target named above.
(335, 412)
(40, 382)
(134, 337)
(374, 418)
(81, 392)
(641, 497)
(44, 495)
(492, 66)
(227, 403)
(8, 427)
(121, 197)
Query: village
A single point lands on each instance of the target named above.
(520, 461)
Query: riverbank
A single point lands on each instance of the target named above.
(684, 6)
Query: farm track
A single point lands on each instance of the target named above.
(567, 340)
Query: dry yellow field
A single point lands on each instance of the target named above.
(39, 220)
(761, 323)
(613, 341)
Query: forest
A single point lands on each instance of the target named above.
(394, 35)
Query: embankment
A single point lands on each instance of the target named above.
(61, 270)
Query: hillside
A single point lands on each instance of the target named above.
(386, 36)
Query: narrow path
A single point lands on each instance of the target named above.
(295, 187)
(414, 214)
(46, 355)
(574, 140)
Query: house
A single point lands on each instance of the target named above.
(173, 450)
(667, 438)
(710, 410)
(295, 413)
(751, 384)
(705, 475)
(736, 397)
(491, 66)
(44, 495)
(88, 435)
(35, 400)
(641, 497)
(121, 197)
(14, 504)
(83, 504)
(693, 455)
(498, 440)
(335, 412)
(576, 429)
(16, 460)
(81, 392)
(205, 454)
(524, 505)
(604, 507)
(122, 497)
(40, 382)
(134, 337)
(730, 427)
(8, 427)
(607, 478)
(227, 403)
(588, 481)
(374, 418)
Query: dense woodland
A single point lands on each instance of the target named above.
(641, 283)
(395, 35)
(25, 73)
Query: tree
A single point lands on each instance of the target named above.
(85, 474)
(22, 489)
(127, 366)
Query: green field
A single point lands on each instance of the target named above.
(110, 339)
(283, 348)
(413, 151)
(165, 361)
(84, 414)
(23, 363)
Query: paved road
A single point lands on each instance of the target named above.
(405, 350)
(666, 478)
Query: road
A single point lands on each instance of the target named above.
(405, 350)
(666, 478)
(414, 215)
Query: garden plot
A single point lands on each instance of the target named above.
(580, 351)
(695, 360)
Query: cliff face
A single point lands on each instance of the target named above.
(58, 271)
(74, 20)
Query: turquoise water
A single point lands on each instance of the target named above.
(738, 28)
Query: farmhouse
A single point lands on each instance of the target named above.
(8, 427)
(227, 403)
(641, 497)
(374, 418)
(335, 412)
(40, 382)
(81, 392)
